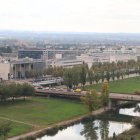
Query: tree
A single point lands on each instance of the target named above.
(27, 90)
(91, 100)
(68, 78)
(118, 74)
(90, 76)
(113, 75)
(108, 76)
(75, 76)
(97, 77)
(102, 76)
(5, 128)
(136, 122)
(83, 74)
(105, 94)
(13, 90)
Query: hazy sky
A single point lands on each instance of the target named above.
(71, 15)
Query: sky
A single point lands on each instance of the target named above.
(71, 15)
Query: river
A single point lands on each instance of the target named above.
(96, 128)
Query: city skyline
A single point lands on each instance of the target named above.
(71, 16)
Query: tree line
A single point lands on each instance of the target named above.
(13, 91)
(98, 72)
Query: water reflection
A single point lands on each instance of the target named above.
(89, 131)
(104, 129)
(99, 129)
(135, 111)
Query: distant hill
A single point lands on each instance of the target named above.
(71, 37)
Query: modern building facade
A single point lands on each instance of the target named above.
(22, 67)
(46, 54)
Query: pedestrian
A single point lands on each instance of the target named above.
(114, 136)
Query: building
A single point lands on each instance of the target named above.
(66, 63)
(4, 71)
(106, 57)
(22, 67)
(47, 54)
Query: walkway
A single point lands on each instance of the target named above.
(124, 97)
(4, 118)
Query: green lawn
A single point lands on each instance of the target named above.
(40, 112)
(129, 85)
(17, 128)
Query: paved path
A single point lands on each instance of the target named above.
(4, 118)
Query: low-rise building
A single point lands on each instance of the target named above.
(4, 71)
(22, 67)
(66, 63)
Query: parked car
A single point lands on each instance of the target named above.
(77, 90)
(46, 88)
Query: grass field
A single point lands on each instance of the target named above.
(128, 85)
(39, 112)
(17, 128)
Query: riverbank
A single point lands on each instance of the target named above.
(60, 125)
(37, 113)
(129, 134)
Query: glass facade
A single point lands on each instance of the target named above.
(37, 54)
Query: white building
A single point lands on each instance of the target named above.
(4, 71)
(106, 57)
(66, 63)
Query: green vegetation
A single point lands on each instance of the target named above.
(136, 122)
(74, 76)
(5, 128)
(132, 134)
(39, 112)
(91, 100)
(14, 90)
(105, 94)
(94, 100)
(129, 85)
(16, 128)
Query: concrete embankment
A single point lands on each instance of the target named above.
(41, 132)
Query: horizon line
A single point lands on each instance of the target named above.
(65, 32)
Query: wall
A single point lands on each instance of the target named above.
(4, 70)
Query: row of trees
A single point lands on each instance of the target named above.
(13, 90)
(98, 72)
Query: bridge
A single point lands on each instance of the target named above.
(124, 97)
(61, 94)
(76, 95)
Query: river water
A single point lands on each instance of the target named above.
(95, 129)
